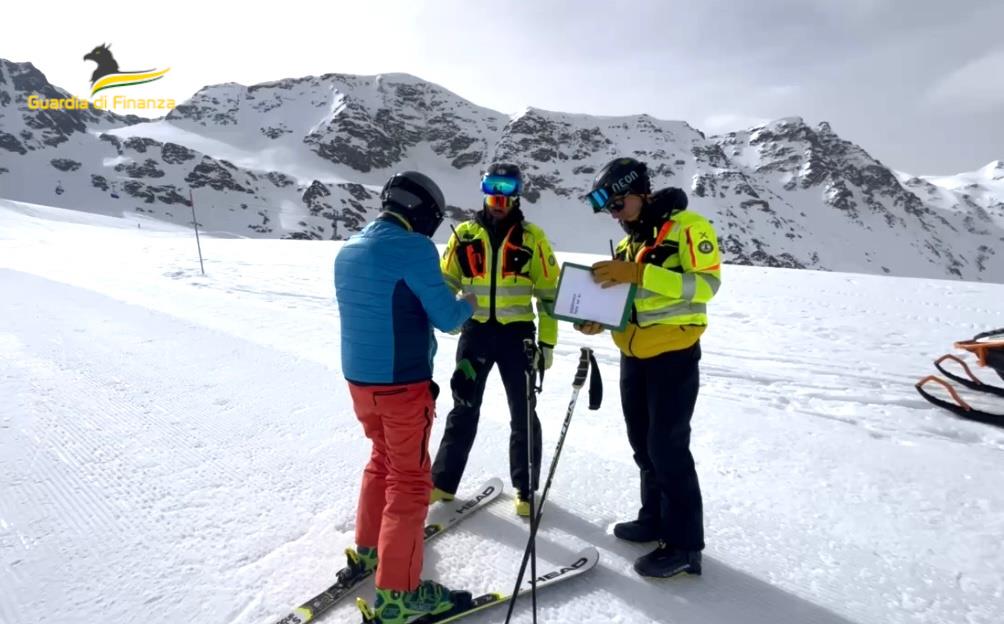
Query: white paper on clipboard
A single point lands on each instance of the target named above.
(579, 298)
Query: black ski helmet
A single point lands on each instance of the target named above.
(417, 199)
(618, 177)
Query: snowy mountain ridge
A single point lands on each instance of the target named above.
(306, 157)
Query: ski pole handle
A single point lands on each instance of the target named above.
(580, 374)
(530, 351)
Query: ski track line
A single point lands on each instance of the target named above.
(137, 501)
(108, 417)
(46, 479)
(191, 438)
(871, 418)
(720, 365)
(104, 422)
(64, 449)
(280, 551)
(242, 615)
(271, 296)
(834, 401)
(715, 364)
(12, 552)
(106, 414)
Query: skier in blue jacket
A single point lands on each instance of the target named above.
(390, 295)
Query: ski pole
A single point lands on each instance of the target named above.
(530, 349)
(580, 379)
(585, 358)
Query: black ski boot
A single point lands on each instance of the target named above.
(666, 561)
(635, 531)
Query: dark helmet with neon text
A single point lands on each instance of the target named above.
(619, 177)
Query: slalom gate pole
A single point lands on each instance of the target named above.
(195, 224)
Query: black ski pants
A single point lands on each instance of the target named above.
(658, 395)
(484, 345)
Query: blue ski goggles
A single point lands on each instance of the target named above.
(603, 201)
(500, 185)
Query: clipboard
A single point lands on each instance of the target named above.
(580, 299)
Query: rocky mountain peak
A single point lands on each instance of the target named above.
(305, 158)
(24, 129)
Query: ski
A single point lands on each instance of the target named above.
(442, 516)
(580, 563)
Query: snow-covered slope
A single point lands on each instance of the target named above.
(305, 158)
(181, 448)
(983, 188)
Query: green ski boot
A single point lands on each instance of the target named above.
(430, 598)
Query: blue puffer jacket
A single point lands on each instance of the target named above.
(390, 293)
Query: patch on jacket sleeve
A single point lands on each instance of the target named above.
(703, 247)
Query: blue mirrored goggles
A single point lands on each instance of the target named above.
(603, 201)
(500, 185)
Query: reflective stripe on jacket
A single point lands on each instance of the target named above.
(682, 274)
(507, 276)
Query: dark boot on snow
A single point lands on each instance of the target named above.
(666, 561)
(635, 531)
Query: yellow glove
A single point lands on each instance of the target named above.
(609, 272)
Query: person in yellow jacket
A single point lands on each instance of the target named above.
(507, 262)
(672, 254)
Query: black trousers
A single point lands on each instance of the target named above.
(658, 396)
(484, 345)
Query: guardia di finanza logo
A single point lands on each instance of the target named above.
(107, 75)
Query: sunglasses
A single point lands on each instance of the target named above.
(499, 201)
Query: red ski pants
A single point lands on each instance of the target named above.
(394, 498)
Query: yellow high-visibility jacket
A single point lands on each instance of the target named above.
(682, 274)
(505, 274)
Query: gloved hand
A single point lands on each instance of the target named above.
(588, 328)
(609, 272)
(546, 358)
(464, 383)
(472, 300)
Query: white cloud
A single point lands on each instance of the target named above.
(974, 87)
(889, 74)
(720, 123)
